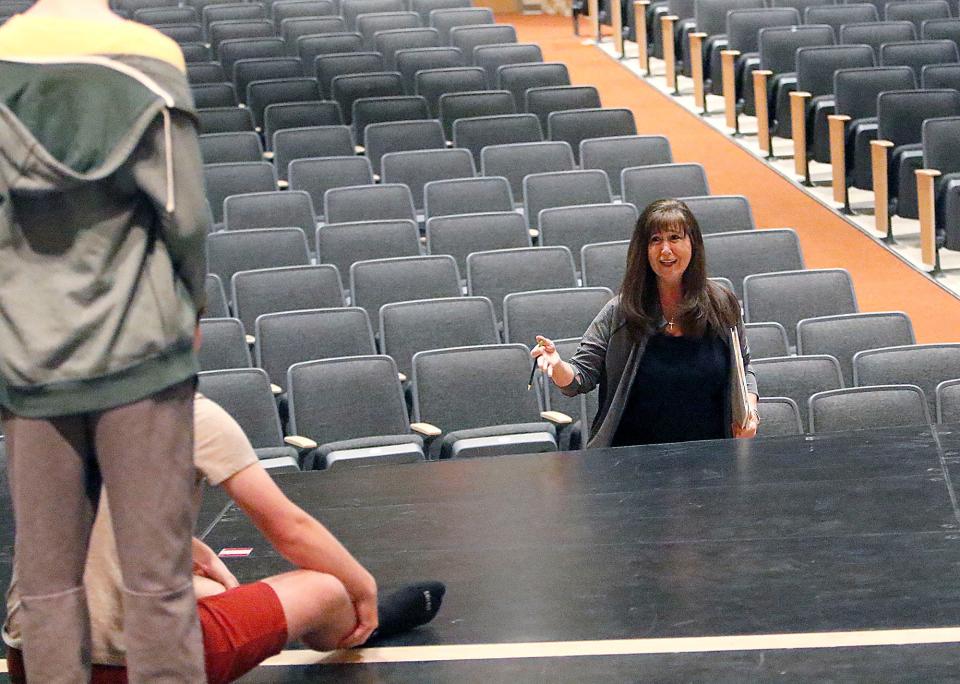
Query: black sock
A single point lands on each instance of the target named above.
(406, 608)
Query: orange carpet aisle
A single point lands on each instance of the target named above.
(881, 280)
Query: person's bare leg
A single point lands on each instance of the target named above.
(317, 608)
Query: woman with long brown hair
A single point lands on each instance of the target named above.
(660, 350)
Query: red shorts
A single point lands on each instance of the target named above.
(241, 627)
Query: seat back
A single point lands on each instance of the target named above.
(492, 57)
(409, 61)
(152, 16)
(311, 141)
(901, 113)
(469, 104)
(351, 9)
(335, 40)
(410, 327)
(222, 344)
(245, 394)
(562, 189)
(842, 336)
(797, 377)
(743, 25)
(287, 9)
(462, 234)
(737, 254)
(417, 168)
(433, 83)
(710, 16)
(219, 31)
(615, 154)
(337, 399)
(387, 201)
(766, 340)
(369, 25)
(497, 273)
(269, 290)
(836, 16)
(940, 29)
(425, 7)
(328, 67)
(399, 136)
(476, 133)
(205, 72)
(514, 162)
(575, 125)
(924, 365)
(270, 209)
(244, 250)
(779, 416)
(941, 144)
(224, 120)
(467, 196)
(446, 19)
(246, 71)
(261, 94)
(469, 37)
(876, 33)
(555, 314)
(316, 176)
(453, 393)
(856, 90)
(604, 264)
(230, 51)
(389, 42)
(721, 213)
(816, 66)
(948, 401)
(641, 185)
(381, 281)
(210, 95)
(545, 100)
(288, 337)
(230, 12)
(791, 296)
(778, 44)
(576, 226)
(282, 115)
(343, 244)
(917, 11)
(856, 408)
(223, 180)
(227, 148)
(918, 53)
(517, 78)
(216, 298)
(934, 76)
(347, 88)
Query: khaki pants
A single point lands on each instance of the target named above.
(143, 454)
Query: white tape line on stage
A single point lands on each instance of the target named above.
(561, 649)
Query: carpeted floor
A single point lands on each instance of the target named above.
(882, 281)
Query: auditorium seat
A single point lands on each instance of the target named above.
(220, 11)
(836, 16)
(604, 264)
(246, 395)
(473, 104)
(223, 180)
(468, 38)
(290, 144)
(214, 95)
(917, 11)
(778, 416)
(518, 78)
(918, 53)
(269, 290)
(576, 226)
(721, 213)
(232, 50)
(767, 339)
(941, 153)
(222, 345)
(877, 33)
(497, 273)
(195, 52)
(182, 33)
(575, 125)
(261, 94)
(351, 9)
(424, 7)
(226, 148)
(221, 30)
(446, 19)
(246, 71)
(478, 132)
(561, 189)
(492, 57)
(382, 281)
(614, 154)
(737, 254)
(466, 196)
(336, 40)
(372, 23)
(368, 203)
(327, 67)
(269, 210)
(948, 401)
(293, 29)
(286, 9)
(924, 365)
(941, 29)
(877, 406)
(934, 76)
(288, 337)
(206, 72)
(462, 234)
(353, 411)
(372, 110)
(342, 244)
(244, 250)
(480, 414)
(410, 327)
(400, 136)
(515, 161)
(152, 16)
(281, 115)
(318, 174)
(791, 296)
(843, 335)
(418, 167)
(411, 60)
(216, 306)
(432, 83)
(797, 377)
(555, 314)
(641, 185)
(388, 43)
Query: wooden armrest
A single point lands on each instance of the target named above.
(798, 125)
(878, 162)
(300, 442)
(402, 376)
(616, 25)
(282, 184)
(276, 389)
(425, 429)
(556, 417)
(696, 68)
(837, 124)
(761, 107)
(249, 339)
(359, 149)
(669, 57)
(926, 198)
(640, 30)
(729, 83)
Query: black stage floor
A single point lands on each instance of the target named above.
(681, 551)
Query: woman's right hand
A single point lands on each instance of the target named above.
(546, 355)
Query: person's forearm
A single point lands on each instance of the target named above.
(563, 374)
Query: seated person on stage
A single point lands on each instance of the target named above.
(329, 603)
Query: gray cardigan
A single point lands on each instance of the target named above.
(609, 357)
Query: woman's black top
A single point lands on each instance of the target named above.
(678, 392)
